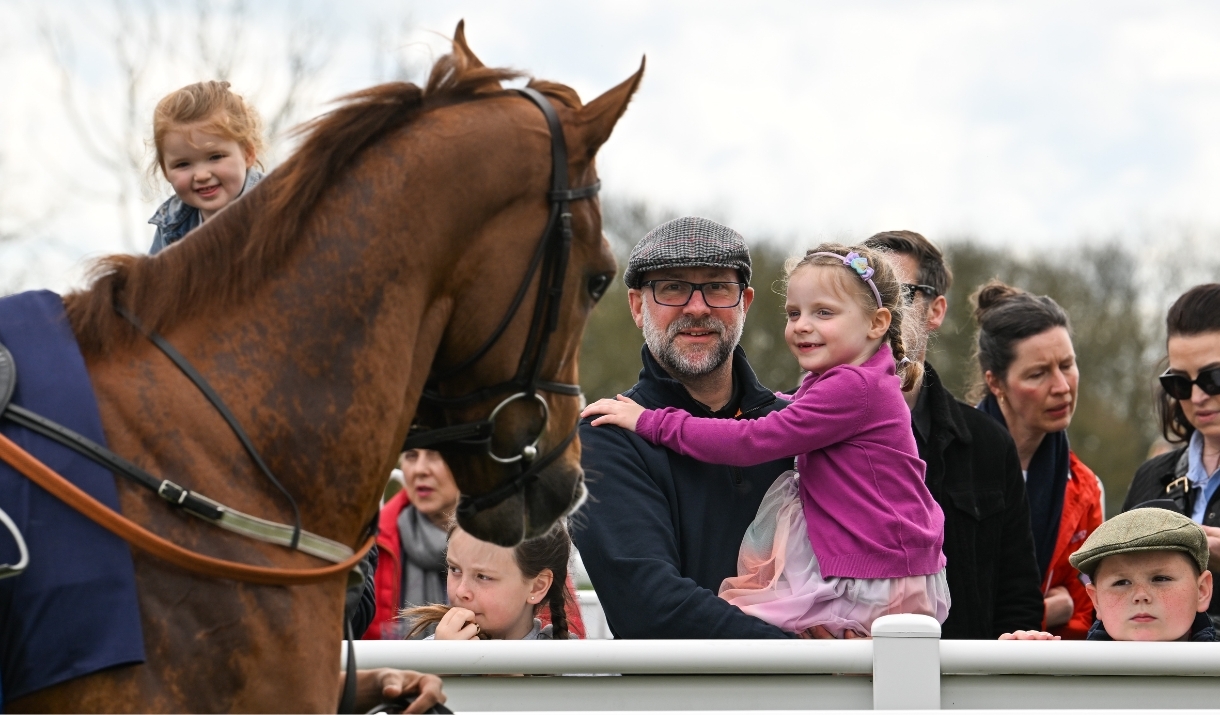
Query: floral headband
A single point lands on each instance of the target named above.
(859, 264)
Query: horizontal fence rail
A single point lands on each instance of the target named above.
(905, 666)
(619, 656)
(1080, 658)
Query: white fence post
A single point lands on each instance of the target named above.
(906, 663)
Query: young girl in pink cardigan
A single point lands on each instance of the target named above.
(853, 533)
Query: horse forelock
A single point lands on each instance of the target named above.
(222, 263)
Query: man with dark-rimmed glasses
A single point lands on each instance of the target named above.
(661, 531)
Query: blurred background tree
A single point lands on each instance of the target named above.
(1115, 295)
(1115, 340)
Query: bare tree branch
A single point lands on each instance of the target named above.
(390, 62)
(140, 48)
(59, 47)
(220, 37)
(119, 150)
(310, 48)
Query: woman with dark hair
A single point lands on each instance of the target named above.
(1186, 479)
(410, 567)
(1029, 385)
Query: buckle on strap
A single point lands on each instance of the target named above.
(1182, 483)
(171, 492)
(188, 500)
(252, 526)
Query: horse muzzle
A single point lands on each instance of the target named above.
(559, 491)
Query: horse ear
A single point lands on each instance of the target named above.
(460, 46)
(597, 118)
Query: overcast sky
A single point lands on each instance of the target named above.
(1032, 124)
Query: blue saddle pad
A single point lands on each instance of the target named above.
(74, 610)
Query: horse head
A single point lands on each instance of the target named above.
(508, 359)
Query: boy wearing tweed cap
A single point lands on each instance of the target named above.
(1148, 579)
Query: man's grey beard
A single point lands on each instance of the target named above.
(692, 363)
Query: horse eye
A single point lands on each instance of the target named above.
(598, 285)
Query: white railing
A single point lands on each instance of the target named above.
(904, 667)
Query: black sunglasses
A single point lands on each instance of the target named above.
(910, 289)
(1179, 387)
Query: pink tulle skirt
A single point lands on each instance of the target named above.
(778, 579)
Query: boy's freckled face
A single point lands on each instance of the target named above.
(1149, 595)
(206, 170)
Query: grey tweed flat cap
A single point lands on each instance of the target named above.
(688, 242)
(1147, 529)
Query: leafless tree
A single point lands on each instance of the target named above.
(145, 40)
(115, 146)
(392, 61)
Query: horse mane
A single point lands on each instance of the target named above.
(252, 238)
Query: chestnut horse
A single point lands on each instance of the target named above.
(317, 306)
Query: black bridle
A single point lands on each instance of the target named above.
(551, 256)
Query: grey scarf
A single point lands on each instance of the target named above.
(423, 559)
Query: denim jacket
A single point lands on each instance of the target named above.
(174, 219)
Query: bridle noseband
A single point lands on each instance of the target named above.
(551, 256)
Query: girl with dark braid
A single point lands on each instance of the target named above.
(497, 592)
(853, 533)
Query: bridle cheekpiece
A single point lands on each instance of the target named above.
(475, 438)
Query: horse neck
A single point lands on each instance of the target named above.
(341, 346)
(328, 357)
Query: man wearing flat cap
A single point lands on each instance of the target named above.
(661, 531)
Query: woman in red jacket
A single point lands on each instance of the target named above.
(411, 541)
(1030, 384)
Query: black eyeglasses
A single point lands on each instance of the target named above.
(675, 293)
(910, 289)
(1179, 387)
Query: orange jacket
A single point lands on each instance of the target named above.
(1081, 515)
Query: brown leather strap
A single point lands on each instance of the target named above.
(146, 541)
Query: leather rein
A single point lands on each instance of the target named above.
(475, 437)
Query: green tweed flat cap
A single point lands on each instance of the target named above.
(1148, 529)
